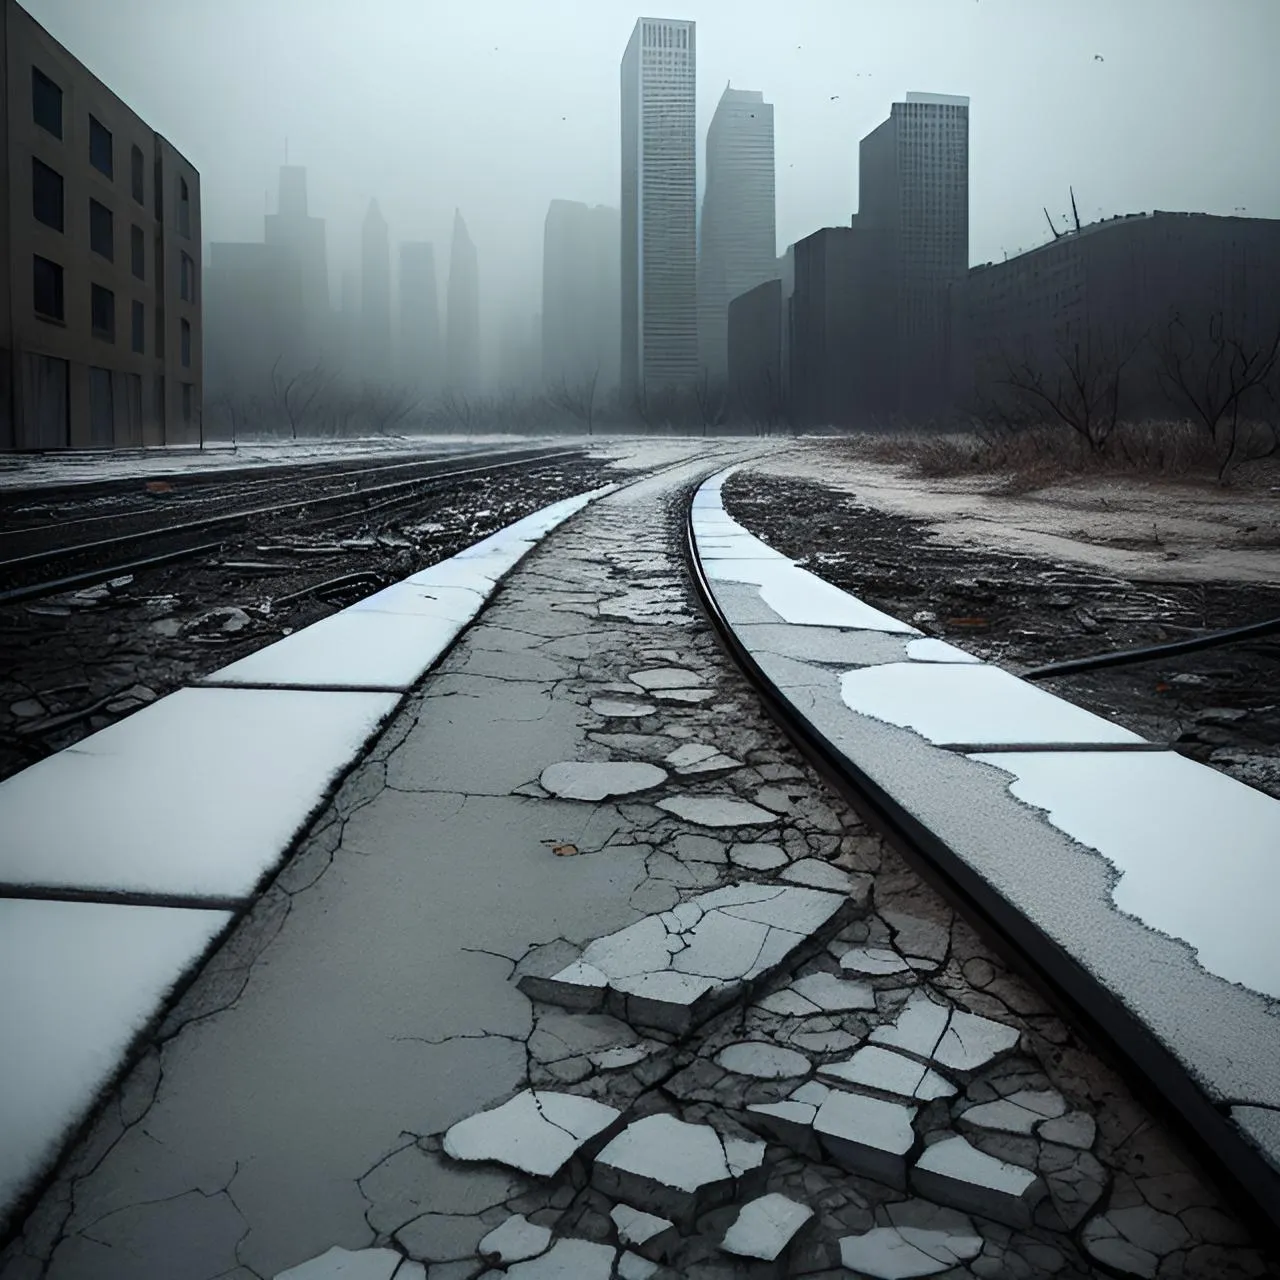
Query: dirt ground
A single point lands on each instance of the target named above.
(1085, 567)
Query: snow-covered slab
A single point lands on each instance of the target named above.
(390, 639)
(872, 1067)
(718, 811)
(596, 780)
(867, 1135)
(672, 970)
(347, 1264)
(537, 1131)
(762, 1060)
(904, 1253)
(957, 1174)
(678, 1169)
(198, 794)
(81, 978)
(954, 702)
(765, 1227)
(1197, 854)
(514, 1241)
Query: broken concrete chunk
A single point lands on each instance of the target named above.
(631, 1266)
(970, 1041)
(892, 1253)
(666, 678)
(1077, 1129)
(913, 936)
(789, 1121)
(818, 875)
(757, 857)
(568, 1260)
(640, 1230)
(1018, 1113)
(832, 994)
(955, 1173)
(679, 1169)
(346, 1264)
(717, 811)
(874, 962)
(918, 1028)
(888, 1072)
(765, 1227)
(537, 1131)
(581, 780)
(762, 1061)
(691, 848)
(867, 1135)
(617, 709)
(1104, 1244)
(514, 1241)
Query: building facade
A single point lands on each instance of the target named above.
(375, 296)
(913, 189)
(581, 298)
(462, 318)
(101, 289)
(753, 342)
(738, 240)
(659, 206)
(418, 351)
(1111, 291)
(253, 310)
(301, 237)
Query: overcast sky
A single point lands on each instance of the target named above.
(497, 106)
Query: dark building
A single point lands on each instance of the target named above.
(419, 348)
(840, 364)
(462, 319)
(913, 189)
(375, 296)
(293, 231)
(1108, 291)
(253, 316)
(754, 353)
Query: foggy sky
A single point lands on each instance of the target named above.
(498, 106)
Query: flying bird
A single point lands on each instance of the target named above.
(834, 96)
(1097, 57)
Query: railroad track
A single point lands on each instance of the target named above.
(359, 492)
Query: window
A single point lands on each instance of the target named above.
(187, 280)
(102, 232)
(186, 344)
(100, 154)
(188, 400)
(139, 328)
(103, 313)
(47, 295)
(46, 194)
(184, 208)
(46, 102)
(135, 174)
(138, 252)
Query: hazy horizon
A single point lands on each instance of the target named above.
(499, 107)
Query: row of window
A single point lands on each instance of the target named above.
(49, 302)
(46, 111)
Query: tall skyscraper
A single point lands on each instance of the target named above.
(375, 295)
(659, 208)
(581, 304)
(462, 321)
(419, 349)
(738, 243)
(301, 236)
(913, 187)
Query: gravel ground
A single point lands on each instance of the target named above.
(1221, 706)
(75, 663)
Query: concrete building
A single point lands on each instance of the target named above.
(659, 206)
(738, 243)
(462, 318)
(253, 313)
(581, 297)
(913, 189)
(296, 233)
(519, 367)
(375, 296)
(1110, 289)
(753, 353)
(418, 350)
(100, 274)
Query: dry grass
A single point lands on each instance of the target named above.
(1036, 457)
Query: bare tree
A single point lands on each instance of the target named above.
(386, 407)
(1219, 377)
(1079, 385)
(709, 394)
(578, 399)
(297, 395)
(457, 410)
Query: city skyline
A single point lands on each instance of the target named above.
(1033, 74)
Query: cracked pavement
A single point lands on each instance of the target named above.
(298, 1095)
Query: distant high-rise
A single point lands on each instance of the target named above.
(913, 186)
(462, 321)
(375, 295)
(419, 349)
(301, 236)
(581, 304)
(659, 208)
(738, 245)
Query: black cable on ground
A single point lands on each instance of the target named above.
(1149, 653)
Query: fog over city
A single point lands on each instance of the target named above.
(497, 107)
